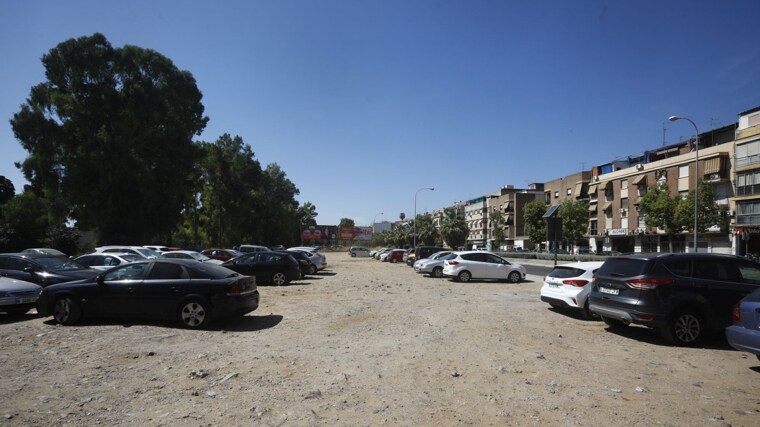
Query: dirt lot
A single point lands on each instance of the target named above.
(370, 343)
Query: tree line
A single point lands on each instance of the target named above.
(110, 136)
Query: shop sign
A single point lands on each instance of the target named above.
(617, 232)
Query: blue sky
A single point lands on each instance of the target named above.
(362, 103)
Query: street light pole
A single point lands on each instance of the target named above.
(374, 221)
(696, 173)
(414, 219)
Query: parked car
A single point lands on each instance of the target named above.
(468, 265)
(277, 248)
(375, 251)
(43, 269)
(191, 255)
(17, 296)
(161, 249)
(422, 252)
(304, 262)
(358, 251)
(683, 295)
(190, 292)
(48, 251)
(221, 254)
(144, 252)
(106, 261)
(381, 252)
(407, 253)
(252, 248)
(567, 286)
(744, 334)
(394, 256)
(432, 265)
(318, 260)
(269, 267)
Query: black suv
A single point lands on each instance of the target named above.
(682, 295)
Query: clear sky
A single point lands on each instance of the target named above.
(362, 103)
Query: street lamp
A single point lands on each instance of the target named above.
(414, 219)
(696, 173)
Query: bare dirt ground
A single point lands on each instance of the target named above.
(370, 343)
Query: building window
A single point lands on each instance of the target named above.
(748, 154)
(748, 213)
(748, 183)
(556, 194)
(624, 184)
(569, 191)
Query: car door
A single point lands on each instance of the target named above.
(495, 267)
(118, 292)
(160, 292)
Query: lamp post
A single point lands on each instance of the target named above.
(696, 173)
(374, 221)
(414, 220)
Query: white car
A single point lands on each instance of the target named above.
(358, 251)
(191, 255)
(318, 260)
(432, 265)
(106, 261)
(568, 285)
(17, 296)
(139, 250)
(468, 265)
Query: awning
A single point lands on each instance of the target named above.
(578, 189)
(607, 184)
(607, 206)
(592, 189)
(508, 219)
(507, 206)
(592, 207)
(640, 180)
(713, 165)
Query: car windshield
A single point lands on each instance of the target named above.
(561, 272)
(59, 263)
(199, 256)
(623, 267)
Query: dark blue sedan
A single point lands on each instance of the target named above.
(191, 292)
(744, 334)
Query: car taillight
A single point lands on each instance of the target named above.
(648, 284)
(575, 282)
(453, 262)
(234, 289)
(736, 314)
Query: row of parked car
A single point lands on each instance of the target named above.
(135, 281)
(685, 296)
(439, 262)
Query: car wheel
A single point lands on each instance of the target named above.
(193, 314)
(393, 261)
(312, 269)
(66, 311)
(464, 276)
(438, 272)
(588, 314)
(353, 255)
(514, 276)
(685, 327)
(614, 323)
(279, 279)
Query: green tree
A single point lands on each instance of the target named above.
(401, 216)
(708, 212)
(658, 208)
(346, 222)
(574, 214)
(280, 209)
(454, 229)
(426, 231)
(535, 223)
(497, 223)
(7, 190)
(109, 136)
(307, 214)
(25, 222)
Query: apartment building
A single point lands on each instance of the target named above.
(511, 202)
(476, 216)
(746, 224)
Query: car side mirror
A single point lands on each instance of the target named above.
(100, 280)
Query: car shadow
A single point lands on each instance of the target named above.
(575, 314)
(327, 273)
(16, 318)
(248, 323)
(715, 341)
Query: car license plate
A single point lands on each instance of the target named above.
(609, 291)
(25, 300)
(553, 285)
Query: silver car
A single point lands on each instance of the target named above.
(433, 265)
(17, 296)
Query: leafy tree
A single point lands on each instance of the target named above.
(574, 216)
(535, 223)
(708, 212)
(25, 222)
(307, 214)
(109, 136)
(346, 222)
(401, 216)
(279, 208)
(497, 223)
(658, 207)
(454, 229)
(426, 231)
(7, 190)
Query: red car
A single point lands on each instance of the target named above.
(221, 254)
(396, 255)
